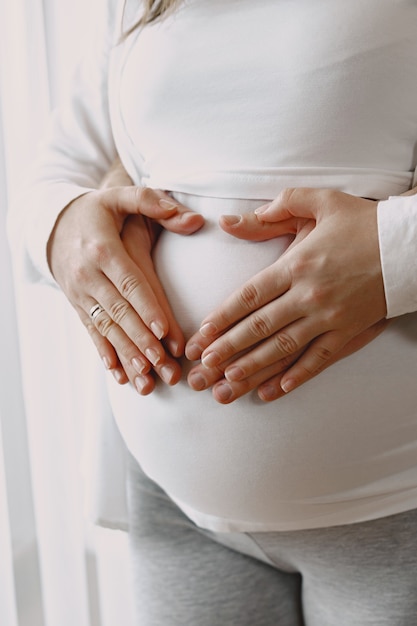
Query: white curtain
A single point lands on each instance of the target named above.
(55, 568)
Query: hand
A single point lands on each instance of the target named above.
(320, 301)
(145, 230)
(89, 261)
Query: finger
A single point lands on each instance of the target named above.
(105, 350)
(272, 389)
(280, 348)
(173, 339)
(316, 362)
(270, 379)
(116, 176)
(127, 295)
(305, 229)
(123, 352)
(200, 378)
(226, 392)
(122, 370)
(264, 287)
(119, 324)
(169, 372)
(251, 228)
(267, 325)
(152, 203)
(134, 364)
(300, 202)
(183, 222)
(319, 355)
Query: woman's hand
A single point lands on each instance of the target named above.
(134, 330)
(322, 300)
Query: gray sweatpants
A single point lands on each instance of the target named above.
(354, 575)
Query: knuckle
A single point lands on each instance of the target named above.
(329, 196)
(144, 195)
(299, 266)
(80, 275)
(287, 194)
(249, 296)
(118, 311)
(98, 251)
(315, 297)
(322, 354)
(334, 316)
(128, 285)
(91, 328)
(285, 344)
(286, 361)
(104, 324)
(305, 373)
(259, 326)
(318, 295)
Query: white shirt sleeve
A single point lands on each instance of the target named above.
(76, 152)
(397, 226)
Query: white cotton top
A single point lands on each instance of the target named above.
(225, 103)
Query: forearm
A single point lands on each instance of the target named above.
(75, 154)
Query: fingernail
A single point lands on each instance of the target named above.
(231, 220)
(118, 375)
(197, 381)
(152, 355)
(268, 392)
(184, 216)
(193, 352)
(211, 359)
(224, 392)
(234, 373)
(106, 362)
(167, 372)
(208, 329)
(174, 347)
(157, 329)
(262, 209)
(139, 365)
(140, 383)
(167, 204)
(288, 385)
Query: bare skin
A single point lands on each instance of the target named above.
(100, 252)
(321, 301)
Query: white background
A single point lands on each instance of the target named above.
(55, 569)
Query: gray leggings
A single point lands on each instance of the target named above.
(353, 575)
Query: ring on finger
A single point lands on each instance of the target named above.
(95, 311)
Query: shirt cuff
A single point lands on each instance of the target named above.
(397, 230)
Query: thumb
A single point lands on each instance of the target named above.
(302, 202)
(132, 200)
(155, 204)
(249, 227)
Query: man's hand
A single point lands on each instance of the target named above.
(321, 300)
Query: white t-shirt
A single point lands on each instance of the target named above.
(225, 103)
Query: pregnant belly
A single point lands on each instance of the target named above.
(200, 271)
(346, 439)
